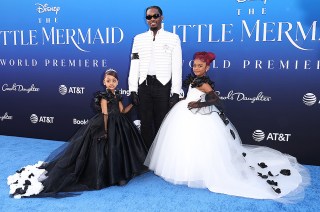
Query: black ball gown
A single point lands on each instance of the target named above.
(89, 161)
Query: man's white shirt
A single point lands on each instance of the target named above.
(165, 49)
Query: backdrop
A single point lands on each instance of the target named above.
(54, 53)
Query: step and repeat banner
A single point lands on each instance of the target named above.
(267, 70)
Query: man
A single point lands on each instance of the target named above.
(155, 73)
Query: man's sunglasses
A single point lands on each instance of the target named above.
(155, 16)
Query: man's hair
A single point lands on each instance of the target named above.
(154, 7)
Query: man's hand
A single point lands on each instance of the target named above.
(134, 98)
(174, 99)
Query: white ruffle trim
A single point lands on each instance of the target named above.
(27, 181)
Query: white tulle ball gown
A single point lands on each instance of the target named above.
(200, 150)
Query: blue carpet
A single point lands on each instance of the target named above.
(144, 193)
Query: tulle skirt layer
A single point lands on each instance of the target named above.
(201, 151)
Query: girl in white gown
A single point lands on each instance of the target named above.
(199, 147)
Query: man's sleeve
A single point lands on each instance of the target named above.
(134, 68)
(176, 67)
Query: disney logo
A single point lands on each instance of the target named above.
(242, 1)
(5, 116)
(20, 88)
(242, 97)
(42, 8)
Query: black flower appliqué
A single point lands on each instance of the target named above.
(285, 172)
(262, 165)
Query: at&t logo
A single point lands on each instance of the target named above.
(41, 119)
(63, 90)
(259, 135)
(309, 99)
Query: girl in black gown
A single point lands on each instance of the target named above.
(107, 151)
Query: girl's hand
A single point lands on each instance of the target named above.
(193, 104)
(104, 137)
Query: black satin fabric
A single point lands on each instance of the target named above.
(88, 163)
